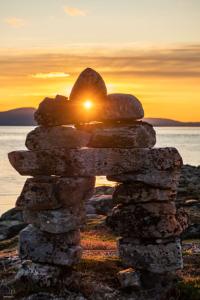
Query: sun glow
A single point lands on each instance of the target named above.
(88, 104)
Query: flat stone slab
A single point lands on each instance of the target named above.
(95, 161)
(155, 258)
(42, 138)
(129, 278)
(161, 179)
(148, 220)
(131, 193)
(56, 221)
(42, 247)
(61, 111)
(50, 192)
(136, 135)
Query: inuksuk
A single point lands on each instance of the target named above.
(92, 134)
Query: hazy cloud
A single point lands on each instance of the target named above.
(170, 62)
(15, 22)
(74, 11)
(50, 75)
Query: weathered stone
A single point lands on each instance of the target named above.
(56, 221)
(89, 85)
(93, 162)
(162, 179)
(10, 228)
(129, 278)
(42, 138)
(137, 192)
(136, 135)
(124, 107)
(189, 184)
(54, 192)
(12, 214)
(42, 247)
(148, 220)
(38, 276)
(102, 205)
(155, 258)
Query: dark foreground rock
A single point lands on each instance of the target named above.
(11, 223)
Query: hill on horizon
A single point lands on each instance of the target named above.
(24, 116)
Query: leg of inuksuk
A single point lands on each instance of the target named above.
(146, 219)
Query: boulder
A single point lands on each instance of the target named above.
(89, 85)
(100, 161)
(38, 276)
(122, 107)
(189, 185)
(155, 258)
(42, 138)
(102, 205)
(130, 193)
(43, 247)
(12, 214)
(136, 135)
(10, 228)
(148, 220)
(129, 278)
(41, 193)
(103, 190)
(56, 221)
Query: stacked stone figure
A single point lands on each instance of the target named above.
(107, 139)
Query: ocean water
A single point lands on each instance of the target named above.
(185, 139)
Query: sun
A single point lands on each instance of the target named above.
(88, 104)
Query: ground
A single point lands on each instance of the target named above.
(100, 262)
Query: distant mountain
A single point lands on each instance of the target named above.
(170, 123)
(18, 117)
(25, 117)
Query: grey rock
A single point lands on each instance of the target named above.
(10, 228)
(124, 107)
(56, 221)
(154, 258)
(98, 161)
(42, 138)
(12, 214)
(51, 296)
(103, 190)
(162, 179)
(102, 205)
(137, 192)
(129, 278)
(42, 247)
(38, 276)
(189, 185)
(148, 220)
(136, 135)
(53, 192)
(192, 232)
(89, 85)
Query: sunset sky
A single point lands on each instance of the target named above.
(149, 48)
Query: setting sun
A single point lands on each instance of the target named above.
(88, 104)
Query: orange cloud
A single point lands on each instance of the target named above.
(15, 22)
(74, 11)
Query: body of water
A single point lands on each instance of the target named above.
(185, 139)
